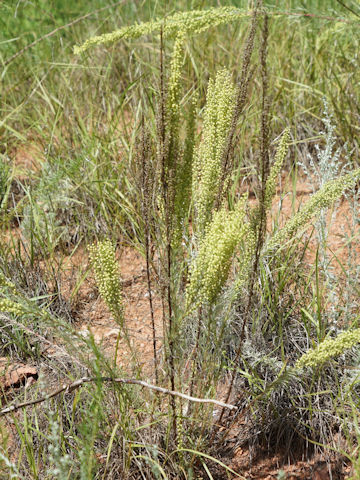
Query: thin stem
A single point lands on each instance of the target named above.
(148, 277)
(165, 179)
(146, 211)
(243, 84)
(195, 351)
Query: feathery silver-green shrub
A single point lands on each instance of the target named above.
(191, 22)
(60, 462)
(325, 167)
(12, 471)
(329, 348)
(103, 261)
(207, 164)
(211, 266)
(48, 204)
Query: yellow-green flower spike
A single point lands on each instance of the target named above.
(210, 268)
(183, 180)
(173, 98)
(10, 306)
(175, 74)
(271, 182)
(329, 348)
(5, 283)
(246, 254)
(102, 256)
(324, 198)
(191, 22)
(207, 166)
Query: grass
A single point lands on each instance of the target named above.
(111, 155)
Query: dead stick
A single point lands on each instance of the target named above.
(79, 383)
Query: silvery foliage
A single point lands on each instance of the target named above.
(49, 203)
(12, 470)
(60, 463)
(254, 356)
(350, 229)
(326, 167)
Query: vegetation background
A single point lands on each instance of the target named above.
(81, 152)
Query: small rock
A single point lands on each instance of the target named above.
(16, 375)
(321, 472)
(84, 333)
(112, 333)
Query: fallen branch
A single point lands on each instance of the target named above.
(127, 381)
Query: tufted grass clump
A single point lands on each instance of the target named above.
(102, 257)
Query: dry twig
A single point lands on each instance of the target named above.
(127, 381)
